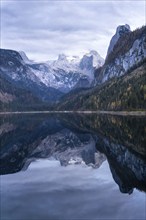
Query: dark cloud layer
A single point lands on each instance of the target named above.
(43, 29)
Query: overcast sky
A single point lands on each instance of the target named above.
(44, 29)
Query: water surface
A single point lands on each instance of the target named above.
(72, 166)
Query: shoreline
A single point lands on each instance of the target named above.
(122, 113)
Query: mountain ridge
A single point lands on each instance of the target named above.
(88, 83)
(62, 74)
(120, 83)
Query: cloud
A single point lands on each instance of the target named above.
(43, 29)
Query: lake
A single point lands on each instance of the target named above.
(72, 166)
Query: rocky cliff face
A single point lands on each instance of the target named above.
(126, 50)
(121, 30)
(124, 62)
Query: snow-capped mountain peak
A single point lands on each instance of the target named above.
(92, 53)
(97, 59)
(61, 63)
(68, 71)
(73, 59)
(91, 60)
(62, 57)
(64, 73)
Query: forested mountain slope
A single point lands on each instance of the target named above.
(127, 92)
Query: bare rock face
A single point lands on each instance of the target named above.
(124, 62)
(121, 30)
(127, 50)
(24, 57)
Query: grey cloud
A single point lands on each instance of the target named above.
(46, 28)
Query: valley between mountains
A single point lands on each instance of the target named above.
(117, 83)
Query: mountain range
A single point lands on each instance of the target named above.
(120, 84)
(74, 83)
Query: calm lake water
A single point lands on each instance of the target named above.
(72, 166)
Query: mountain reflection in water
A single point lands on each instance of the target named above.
(70, 166)
(77, 139)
